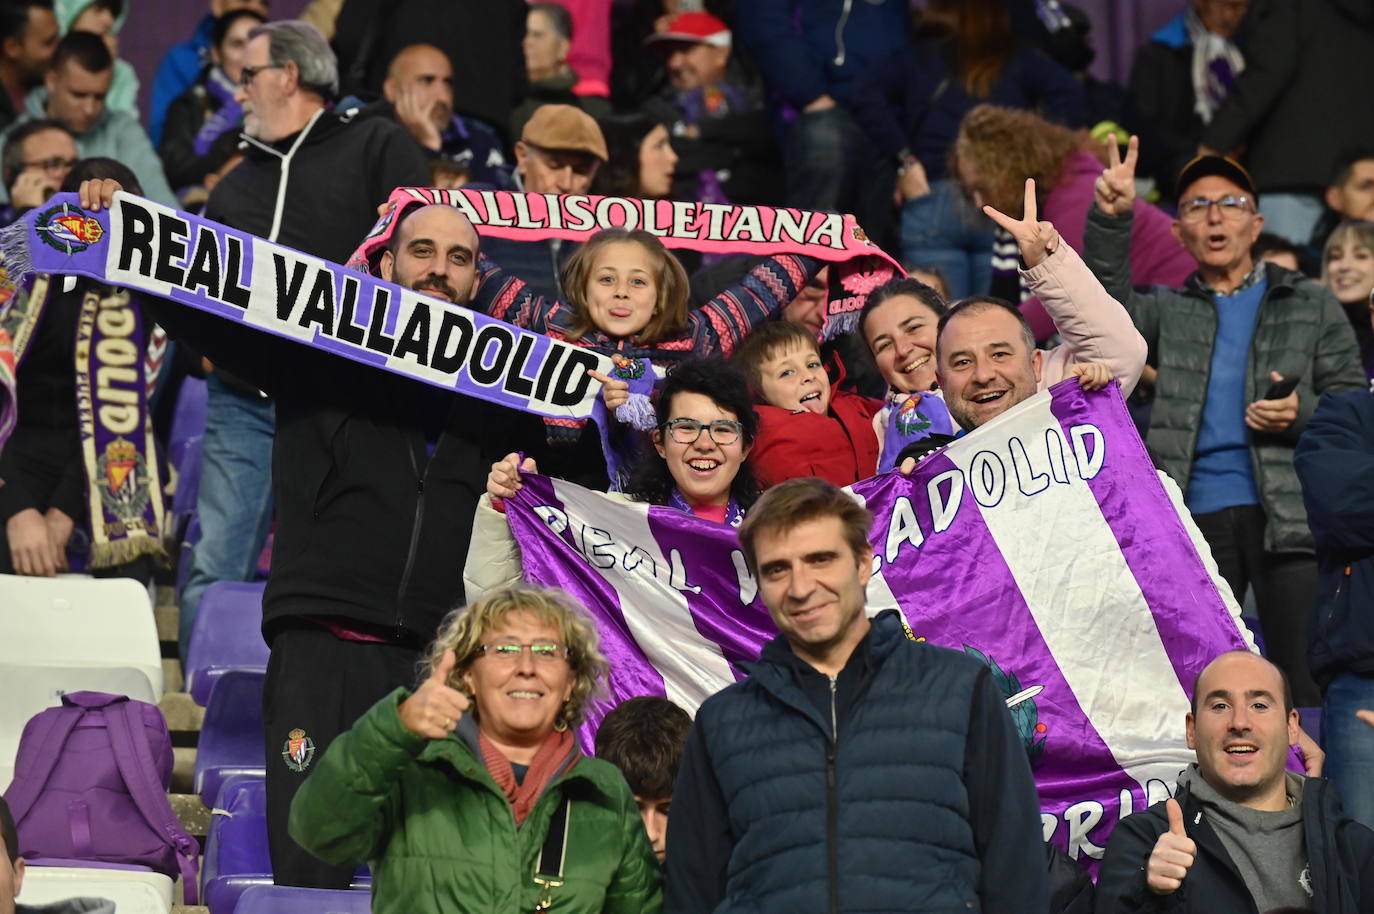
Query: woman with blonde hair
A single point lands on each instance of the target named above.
(1348, 271)
(998, 148)
(470, 793)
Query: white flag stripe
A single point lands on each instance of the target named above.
(692, 667)
(1135, 701)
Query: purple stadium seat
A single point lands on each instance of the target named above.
(231, 736)
(282, 899)
(237, 861)
(189, 419)
(227, 636)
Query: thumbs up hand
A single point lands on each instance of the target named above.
(1173, 854)
(436, 707)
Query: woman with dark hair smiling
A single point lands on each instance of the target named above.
(642, 162)
(706, 427)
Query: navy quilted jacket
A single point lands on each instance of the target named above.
(924, 802)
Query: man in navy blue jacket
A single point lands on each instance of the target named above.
(856, 769)
(1335, 464)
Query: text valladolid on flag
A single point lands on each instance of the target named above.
(1044, 545)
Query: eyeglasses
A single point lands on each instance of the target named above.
(1236, 206)
(510, 651)
(56, 163)
(248, 74)
(687, 431)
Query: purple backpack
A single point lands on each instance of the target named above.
(90, 783)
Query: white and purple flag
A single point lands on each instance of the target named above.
(1044, 544)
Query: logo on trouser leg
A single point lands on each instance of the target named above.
(298, 751)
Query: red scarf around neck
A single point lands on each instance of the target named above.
(557, 748)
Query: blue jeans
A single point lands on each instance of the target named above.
(234, 502)
(939, 231)
(1349, 744)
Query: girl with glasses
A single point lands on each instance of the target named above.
(699, 463)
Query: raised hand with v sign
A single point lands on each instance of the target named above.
(1037, 240)
(1114, 190)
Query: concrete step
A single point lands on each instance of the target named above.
(191, 813)
(190, 909)
(183, 769)
(168, 619)
(171, 675)
(182, 714)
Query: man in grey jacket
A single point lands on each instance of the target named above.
(73, 94)
(1241, 354)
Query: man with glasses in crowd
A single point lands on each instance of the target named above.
(312, 180)
(38, 155)
(73, 95)
(1242, 353)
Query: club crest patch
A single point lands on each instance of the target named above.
(68, 229)
(626, 369)
(124, 473)
(910, 419)
(299, 750)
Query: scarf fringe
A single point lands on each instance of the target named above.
(123, 551)
(837, 325)
(638, 413)
(14, 251)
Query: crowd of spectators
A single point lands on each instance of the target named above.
(1203, 237)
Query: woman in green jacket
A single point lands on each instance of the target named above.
(450, 791)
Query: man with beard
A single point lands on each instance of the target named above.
(419, 88)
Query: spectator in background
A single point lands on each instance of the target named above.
(1240, 832)
(49, 479)
(201, 131)
(1308, 63)
(640, 161)
(998, 148)
(1335, 464)
(643, 737)
(1222, 426)
(912, 102)
(765, 807)
(559, 152)
(1179, 79)
(481, 39)
(1348, 195)
(104, 18)
(28, 37)
(73, 94)
(1348, 271)
(810, 53)
(548, 39)
(715, 105)
(419, 89)
(1270, 248)
(184, 62)
(38, 157)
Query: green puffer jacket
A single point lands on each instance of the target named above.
(1301, 332)
(441, 837)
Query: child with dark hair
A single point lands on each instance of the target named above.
(643, 737)
(807, 426)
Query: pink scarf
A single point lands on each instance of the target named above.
(558, 748)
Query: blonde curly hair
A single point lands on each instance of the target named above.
(1006, 146)
(463, 629)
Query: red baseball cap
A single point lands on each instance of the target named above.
(696, 27)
